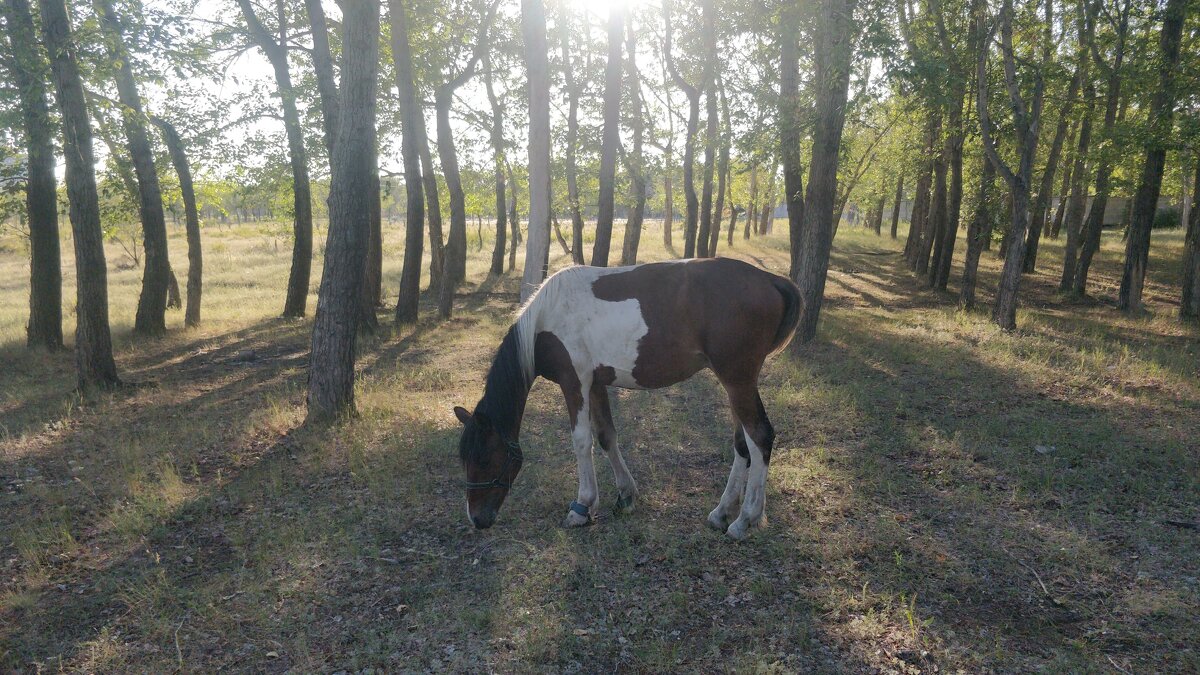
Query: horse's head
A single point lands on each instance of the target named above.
(491, 463)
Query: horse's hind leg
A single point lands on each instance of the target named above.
(735, 486)
(606, 434)
(760, 438)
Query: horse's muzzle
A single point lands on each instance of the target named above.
(484, 520)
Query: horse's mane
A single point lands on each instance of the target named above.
(526, 323)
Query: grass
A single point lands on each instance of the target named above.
(943, 495)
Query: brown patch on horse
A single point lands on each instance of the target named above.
(603, 376)
(719, 312)
(554, 363)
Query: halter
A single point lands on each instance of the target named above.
(514, 450)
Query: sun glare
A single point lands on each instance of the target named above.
(601, 8)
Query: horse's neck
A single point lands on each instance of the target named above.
(507, 390)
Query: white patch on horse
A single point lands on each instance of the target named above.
(754, 500)
(734, 487)
(594, 332)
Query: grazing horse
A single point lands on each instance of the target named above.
(640, 327)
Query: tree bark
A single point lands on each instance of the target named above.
(637, 173)
(497, 267)
(978, 232)
(570, 159)
(514, 221)
(722, 176)
(28, 65)
(752, 207)
(691, 219)
(789, 129)
(276, 52)
(833, 49)
(920, 211)
(412, 124)
(1077, 202)
(1094, 225)
(1189, 299)
(1145, 205)
(191, 315)
(710, 128)
(433, 207)
(152, 302)
(1042, 204)
(537, 65)
(95, 368)
(896, 205)
(611, 136)
(331, 365)
(877, 225)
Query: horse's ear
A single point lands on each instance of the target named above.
(462, 414)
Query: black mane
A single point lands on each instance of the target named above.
(504, 394)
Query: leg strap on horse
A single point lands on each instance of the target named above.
(579, 508)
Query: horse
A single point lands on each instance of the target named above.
(644, 326)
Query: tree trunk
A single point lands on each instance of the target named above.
(570, 160)
(832, 54)
(920, 211)
(514, 222)
(710, 130)
(1042, 203)
(301, 272)
(1189, 299)
(1093, 227)
(896, 206)
(533, 28)
(433, 208)
(722, 180)
(455, 260)
(95, 368)
(497, 267)
(323, 65)
(978, 232)
(191, 315)
(611, 136)
(752, 207)
(152, 302)
(877, 225)
(1162, 111)
(412, 124)
(637, 174)
(939, 275)
(331, 366)
(1077, 202)
(28, 65)
(691, 219)
(937, 216)
(789, 129)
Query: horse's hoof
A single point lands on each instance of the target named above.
(624, 505)
(574, 519)
(739, 530)
(718, 521)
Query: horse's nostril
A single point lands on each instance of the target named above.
(482, 522)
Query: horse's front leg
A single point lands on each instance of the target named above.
(580, 512)
(606, 434)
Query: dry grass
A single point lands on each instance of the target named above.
(943, 495)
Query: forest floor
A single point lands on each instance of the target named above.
(943, 496)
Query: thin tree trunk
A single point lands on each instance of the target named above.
(514, 221)
(152, 302)
(937, 216)
(570, 158)
(433, 208)
(710, 127)
(1162, 111)
(1189, 298)
(691, 219)
(896, 206)
(789, 130)
(978, 232)
(722, 177)
(1042, 204)
(637, 173)
(611, 136)
(94, 364)
(1077, 202)
(28, 65)
(940, 273)
(920, 211)
(877, 225)
(533, 28)
(832, 54)
(331, 366)
(497, 267)
(191, 315)
(413, 123)
(752, 208)
(276, 52)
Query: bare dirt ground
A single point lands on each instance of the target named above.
(943, 496)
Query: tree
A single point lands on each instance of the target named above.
(1145, 205)
(789, 127)
(709, 42)
(175, 148)
(456, 258)
(570, 157)
(637, 173)
(152, 302)
(497, 137)
(896, 205)
(277, 53)
(1189, 299)
(978, 233)
(412, 131)
(611, 137)
(28, 67)
(691, 219)
(833, 45)
(537, 68)
(94, 365)
(331, 366)
(1026, 121)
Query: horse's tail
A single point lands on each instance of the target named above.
(792, 303)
